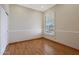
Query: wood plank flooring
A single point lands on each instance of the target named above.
(39, 46)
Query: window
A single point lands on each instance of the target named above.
(49, 25)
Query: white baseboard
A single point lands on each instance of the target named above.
(27, 38)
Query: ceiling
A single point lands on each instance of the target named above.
(38, 7)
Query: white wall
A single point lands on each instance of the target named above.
(67, 25)
(24, 24)
(3, 30)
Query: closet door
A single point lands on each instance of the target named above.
(0, 29)
(4, 30)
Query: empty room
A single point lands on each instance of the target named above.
(39, 29)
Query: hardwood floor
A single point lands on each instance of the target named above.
(39, 46)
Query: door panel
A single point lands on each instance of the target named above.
(4, 28)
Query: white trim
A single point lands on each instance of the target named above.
(67, 31)
(24, 30)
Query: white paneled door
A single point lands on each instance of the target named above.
(3, 30)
